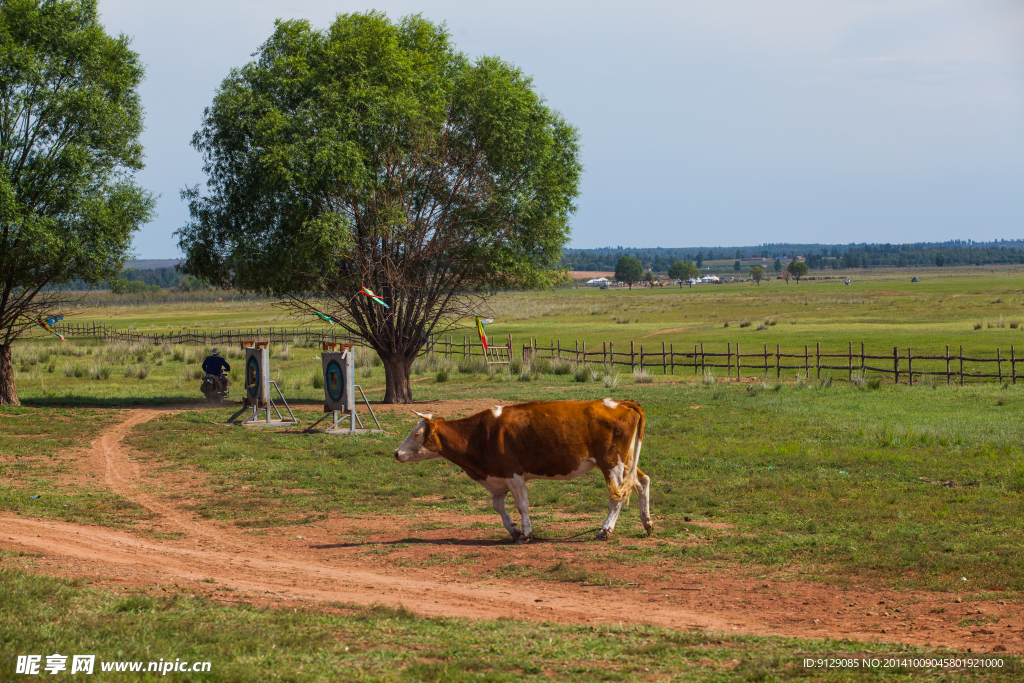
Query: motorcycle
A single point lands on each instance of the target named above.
(214, 388)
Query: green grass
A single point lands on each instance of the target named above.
(43, 615)
(40, 450)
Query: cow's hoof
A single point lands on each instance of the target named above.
(515, 534)
(650, 529)
(603, 535)
(524, 538)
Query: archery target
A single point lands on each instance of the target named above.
(337, 380)
(257, 376)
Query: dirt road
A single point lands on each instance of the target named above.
(315, 563)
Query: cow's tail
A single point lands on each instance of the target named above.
(629, 477)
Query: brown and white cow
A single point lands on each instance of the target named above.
(506, 446)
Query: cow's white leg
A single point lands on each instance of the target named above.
(614, 507)
(643, 490)
(499, 489)
(498, 502)
(517, 485)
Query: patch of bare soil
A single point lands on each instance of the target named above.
(439, 563)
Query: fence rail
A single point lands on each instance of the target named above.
(901, 365)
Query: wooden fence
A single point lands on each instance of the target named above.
(899, 365)
(903, 366)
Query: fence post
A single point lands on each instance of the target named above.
(1013, 366)
(947, 365)
(695, 359)
(559, 349)
(641, 358)
(862, 359)
(961, 365)
(577, 351)
(849, 361)
(604, 353)
(664, 371)
(584, 353)
(807, 363)
(999, 366)
(896, 364)
(632, 357)
(778, 362)
(739, 375)
(766, 362)
(728, 360)
(910, 365)
(817, 358)
(702, 369)
(672, 357)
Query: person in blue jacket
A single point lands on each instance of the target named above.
(215, 365)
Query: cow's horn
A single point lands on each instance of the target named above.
(425, 416)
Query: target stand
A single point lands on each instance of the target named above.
(257, 397)
(338, 361)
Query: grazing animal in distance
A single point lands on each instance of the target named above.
(506, 446)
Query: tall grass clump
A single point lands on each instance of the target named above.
(611, 378)
(561, 367)
(540, 366)
(825, 382)
(584, 373)
(99, 371)
(707, 377)
(642, 376)
(284, 352)
(442, 375)
(745, 323)
(317, 380)
(515, 366)
(73, 370)
(473, 366)
(526, 373)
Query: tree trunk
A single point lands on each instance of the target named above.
(8, 391)
(396, 379)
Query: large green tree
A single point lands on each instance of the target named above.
(70, 120)
(797, 269)
(374, 154)
(628, 269)
(683, 271)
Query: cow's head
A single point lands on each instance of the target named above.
(422, 443)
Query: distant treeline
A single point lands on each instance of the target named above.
(818, 256)
(138, 281)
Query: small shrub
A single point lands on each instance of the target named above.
(611, 380)
(142, 371)
(584, 373)
(561, 367)
(73, 370)
(284, 353)
(874, 383)
(621, 321)
(376, 361)
(762, 326)
(442, 375)
(990, 324)
(745, 323)
(515, 366)
(366, 372)
(100, 371)
(1014, 325)
(541, 366)
(858, 379)
(726, 324)
(1001, 323)
(1001, 401)
(772, 321)
(473, 366)
(777, 386)
(196, 372)
(317, 380)
(178, 354)
(642, 376)
(977, 326)
(707, 377)
(825, 382)
(525, 375)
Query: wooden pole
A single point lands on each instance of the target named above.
(632, 357)
(728, 359)
(641, 358)
(896, 364)
(999, 366)
(849, 362)
(862, 358)
(664, 371)
(1013, 366)
(778, 361)
(604, 353)
(807, 363)
(611, 355)
(766, 361)
(739, 372)
(961, 365)
(672, 357)
(817, 358)
(947, 365)
(910, 364)
(702, 358)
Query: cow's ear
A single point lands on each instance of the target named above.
(425, 416)
(430, 440)
(438, 419)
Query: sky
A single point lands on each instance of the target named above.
(703, 123)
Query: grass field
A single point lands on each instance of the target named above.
(893, 487)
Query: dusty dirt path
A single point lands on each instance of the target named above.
(317, 563)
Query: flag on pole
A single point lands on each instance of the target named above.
(480, 322)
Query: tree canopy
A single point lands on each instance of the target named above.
(629, 270)
(757, 274)
(797, 269)
(374, 154)
(682, 271)
(70, 120)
